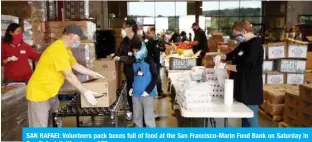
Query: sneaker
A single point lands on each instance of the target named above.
(129, 116)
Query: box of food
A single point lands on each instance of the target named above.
(267, 66)
(264, 51)
(275, 96)
(294, 78)
(289, 120)
(309, 60)
(106, 89)
(304, 119)
(292, 98)
(305, 92)
(275, 78)
(290, 66)
(305, 106)
(291, 111)
(308, 77)
(274, 109)
(297, 51)
(276, 50)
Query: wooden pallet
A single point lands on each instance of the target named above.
(283, 125)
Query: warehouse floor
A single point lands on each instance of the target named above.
(169, 116)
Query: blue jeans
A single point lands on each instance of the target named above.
(251, 122)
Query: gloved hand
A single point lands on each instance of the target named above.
(116, 58)
(90, 97)
(97, 75)
(145, 94)
(217, 59)
(12, 58)
(131, 92)
(220, 66)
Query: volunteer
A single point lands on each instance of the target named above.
(15, 55)
(183, 36)
(124, 55)
(54, 66)
(200, 43)
(248, 57)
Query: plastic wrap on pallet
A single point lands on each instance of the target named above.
(13, 110)
(85, 54)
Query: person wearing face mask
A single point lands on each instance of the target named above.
(143, 91)
(15, 55)
(200, 43)
(124, 55)
(56, 65)
(247, 60)
(183, 36)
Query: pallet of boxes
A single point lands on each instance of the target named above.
(283, 69)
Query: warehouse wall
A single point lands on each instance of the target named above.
(295, 8)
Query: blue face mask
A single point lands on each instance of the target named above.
(240, 38)
(141, 54)
(76, 45)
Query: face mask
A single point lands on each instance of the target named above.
(141, 54)
(123, 33)
(17, 39)
(140, 33)
(194, 29)
(240, 38)
(76, 45)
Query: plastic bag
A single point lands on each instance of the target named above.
(221, 75)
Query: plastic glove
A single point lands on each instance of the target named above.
(97, 75)
(217, 59)
(131, 92)
(220, 66)
(145, 94)
(12, 58)
(116, 58)
(90, 97)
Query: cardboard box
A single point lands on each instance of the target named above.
(304, 119)
(275, 96)
(274, 109)
(267, 66)
(297, 51)
(290, 111)
(289, 120)
(105, 65)
(305, 106)
(291, 99)
(305, 92)
(265, 51)
(308, 77)
(276, 52)
(264, 78)
(290, 66)
(106, 89)
(309, 60)
(275, 78)
(294, 78)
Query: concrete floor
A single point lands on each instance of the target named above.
(169, 116)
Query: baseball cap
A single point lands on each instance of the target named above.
(131, 22)
(75, 29)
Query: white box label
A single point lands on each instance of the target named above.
(297, 51)
(267, 66)
(295, 78)
(276, 52)
(293, 66)
(275, 79)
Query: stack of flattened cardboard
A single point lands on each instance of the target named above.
(106, 88)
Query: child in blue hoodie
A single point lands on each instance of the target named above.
(143, 91)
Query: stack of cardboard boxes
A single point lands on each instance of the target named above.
(298, 107)
(274, 99)
(286, 63)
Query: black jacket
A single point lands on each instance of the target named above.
(248, 84)
(152, 49)
(127, 60)
(200, 36)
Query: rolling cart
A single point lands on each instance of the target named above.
(73, 109)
